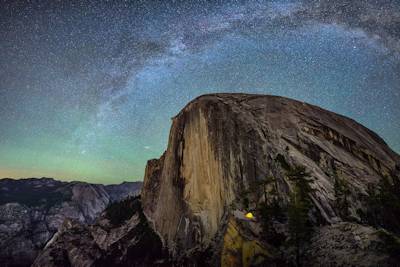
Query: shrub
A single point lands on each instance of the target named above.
(342, 193)
(391, 242)
(383, 204)
(282, 161)
(118, 212)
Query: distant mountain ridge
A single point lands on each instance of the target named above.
(33, 209)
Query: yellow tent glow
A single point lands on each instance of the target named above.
(249, 215)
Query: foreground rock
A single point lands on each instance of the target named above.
(349, 244)
(32, 210)
(131, 243)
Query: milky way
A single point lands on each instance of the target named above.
(88, 89)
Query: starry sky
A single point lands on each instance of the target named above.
(88, 88)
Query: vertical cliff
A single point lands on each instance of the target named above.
(222, 146)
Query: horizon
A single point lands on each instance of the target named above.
(87, 90)
(66, 181)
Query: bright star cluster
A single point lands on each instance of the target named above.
(87, 88)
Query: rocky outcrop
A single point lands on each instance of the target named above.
(132, 243)
(221, 145)
(32, 210)
(349, 244)
(242, 248)
(72, 245)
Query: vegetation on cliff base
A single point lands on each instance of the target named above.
(342, 194)
(383, 204)
(295, 214)
(271, 210)
(118, 212)
(392, 243)
(141, 245)
(300, 227)
(282, 161)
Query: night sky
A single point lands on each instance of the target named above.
(88, 89)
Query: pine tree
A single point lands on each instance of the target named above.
(270, 210)
(265, 183)
(390, 198)
(342, 194)
(266, 210)
(384, 204)
(299, 207)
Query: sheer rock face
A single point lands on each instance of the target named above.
(219, 145)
